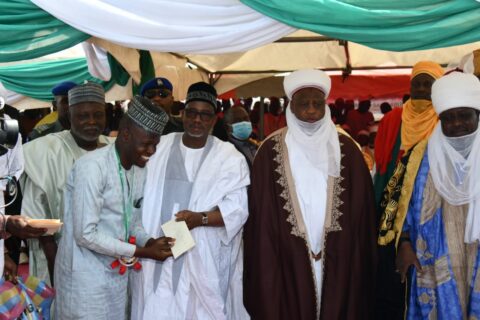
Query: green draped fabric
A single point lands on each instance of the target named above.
(28, 32)
(395, 25)
(147, 70)
(36, 80)
(119, 74)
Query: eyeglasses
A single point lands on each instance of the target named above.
(204, 116)
(151, 93)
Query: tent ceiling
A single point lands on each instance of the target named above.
(305, 49)
(302, 49)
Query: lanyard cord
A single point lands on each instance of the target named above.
(127, 205)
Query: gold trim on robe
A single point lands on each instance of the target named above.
(395, 213)
(295, 217)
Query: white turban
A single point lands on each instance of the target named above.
(308, 78)
(456, 90)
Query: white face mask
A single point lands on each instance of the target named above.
(463, 144)
(317, 140)
(309, 128)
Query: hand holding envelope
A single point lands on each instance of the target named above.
(183, 238)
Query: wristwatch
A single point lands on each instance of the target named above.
(204, 219)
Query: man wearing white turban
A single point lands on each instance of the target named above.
(441, 232)
(310, 239)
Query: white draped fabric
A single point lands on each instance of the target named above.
(185, 26)
(9, 96)
(97, 61)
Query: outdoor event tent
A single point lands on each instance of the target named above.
(360, 72)
(241, 42)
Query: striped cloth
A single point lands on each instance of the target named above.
(12, 302)
(29, 300)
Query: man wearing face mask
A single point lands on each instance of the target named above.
(441, 231)
(310, 237)
(239, 129)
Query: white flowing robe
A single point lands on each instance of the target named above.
(48, 161)
(93, 237)
(210, 284)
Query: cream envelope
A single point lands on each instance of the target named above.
(183, 238)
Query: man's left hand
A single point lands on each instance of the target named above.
(18, 226)
(10, 269)
(192, 219)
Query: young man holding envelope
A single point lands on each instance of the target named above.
(102, 235)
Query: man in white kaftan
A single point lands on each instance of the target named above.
(48, 160)
(197, 178)
(103, 199)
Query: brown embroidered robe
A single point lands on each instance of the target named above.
(279, 280)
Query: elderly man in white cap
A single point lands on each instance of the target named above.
(310, 237)
(48, 161)
(441, 232)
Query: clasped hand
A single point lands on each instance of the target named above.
(157, 249)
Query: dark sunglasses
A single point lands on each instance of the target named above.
(204, 116)
(154, 93)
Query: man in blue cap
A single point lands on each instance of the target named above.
(60, 105)
(160, 91)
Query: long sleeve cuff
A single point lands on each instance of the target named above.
(142, 238)
(125, 249)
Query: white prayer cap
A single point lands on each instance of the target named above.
(456, 90)
(308, 78)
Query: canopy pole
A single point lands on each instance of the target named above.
(261, 122)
